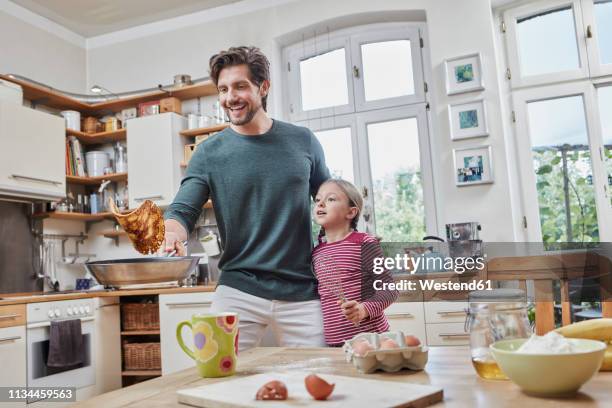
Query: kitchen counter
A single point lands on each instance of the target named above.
(35, 297)
(449, 368)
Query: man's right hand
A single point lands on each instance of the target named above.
(174, 237)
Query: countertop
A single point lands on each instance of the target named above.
(35, 297)
(449, 368)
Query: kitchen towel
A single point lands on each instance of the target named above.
(65, 343)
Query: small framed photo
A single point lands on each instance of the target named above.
(473, 165)
(468, 120)
(463, 74)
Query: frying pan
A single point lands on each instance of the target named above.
(122, 273)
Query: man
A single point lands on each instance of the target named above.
(261, 174)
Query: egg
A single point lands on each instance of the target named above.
(361, 347)
(412, 341)
(388, 344)
(318, 387)
(272, 390)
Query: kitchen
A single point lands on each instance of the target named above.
(104, 63)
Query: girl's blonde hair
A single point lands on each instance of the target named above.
(354, 199)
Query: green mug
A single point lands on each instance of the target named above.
(215, 340)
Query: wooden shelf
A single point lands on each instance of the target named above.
(139, 332)
(74, 216)
(93, 181)
(141, 373)
(98, 138)
(113, 233)
(55, 99)
(204, 130)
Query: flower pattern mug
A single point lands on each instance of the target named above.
(215, 340)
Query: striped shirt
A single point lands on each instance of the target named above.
(345, 268)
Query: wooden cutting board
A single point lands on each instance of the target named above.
(349, 392)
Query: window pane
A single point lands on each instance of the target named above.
(603, 18)
(547, 43)
(387, 69)
(395, 167)
(338, 152)
(562, 163)
(605, 113)
(323, 80)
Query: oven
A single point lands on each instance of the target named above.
(39, 319)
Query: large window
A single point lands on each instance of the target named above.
(362, 92)
(562, 101)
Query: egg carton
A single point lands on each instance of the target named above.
(388, 359)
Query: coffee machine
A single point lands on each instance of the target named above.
(463, 239)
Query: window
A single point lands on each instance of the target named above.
(362, 93)
(559, 53)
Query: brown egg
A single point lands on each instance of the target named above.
(272, 390)
(318, 387)
(361, 347)
(388, 344)
(412, 341)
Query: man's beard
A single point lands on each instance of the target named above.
(247, 118)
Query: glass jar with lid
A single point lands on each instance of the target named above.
(495, 315)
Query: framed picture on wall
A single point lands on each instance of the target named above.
(463, 74)
(468, 120)
(473, 165)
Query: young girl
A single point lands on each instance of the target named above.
(343, 262)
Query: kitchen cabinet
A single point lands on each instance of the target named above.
(13, 349)
(173, 309)
(108, 344)
(445, 323)
(155, 150)
(408, 317)
(32, 153)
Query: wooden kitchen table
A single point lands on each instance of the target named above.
(449, 368)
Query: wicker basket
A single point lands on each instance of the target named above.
(142, 356)
(140, 316)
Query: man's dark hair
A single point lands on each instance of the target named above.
(252, 57)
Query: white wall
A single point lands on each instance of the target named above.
(454, 28)
(36, 53)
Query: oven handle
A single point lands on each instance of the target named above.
(13, 338)
(47, 324)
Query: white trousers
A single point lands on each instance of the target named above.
(294, 324)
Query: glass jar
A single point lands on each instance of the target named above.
(495, 315)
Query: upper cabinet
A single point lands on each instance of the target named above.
(32, 153)
(155, 150)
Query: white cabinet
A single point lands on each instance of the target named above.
(407, 317)
(107, 344)
(445, 323)
(155, 150)
(32, 153)
(13, 358)
(173, 309)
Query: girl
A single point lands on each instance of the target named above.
(343, 262)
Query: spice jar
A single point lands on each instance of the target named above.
(495, 315)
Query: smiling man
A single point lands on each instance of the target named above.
(260, 174)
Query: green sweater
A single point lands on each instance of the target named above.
(261, 187)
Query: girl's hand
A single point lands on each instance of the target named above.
(354, 311)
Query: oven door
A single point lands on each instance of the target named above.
(40, 375)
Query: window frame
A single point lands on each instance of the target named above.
(418, 111)
(510, 19)
(412, 34)
(527, 176)
(293, 55)
(597, 69)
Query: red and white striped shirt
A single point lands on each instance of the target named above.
(346, 265)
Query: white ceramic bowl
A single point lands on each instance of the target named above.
(549, 374)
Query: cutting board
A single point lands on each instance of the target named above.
(349, 392)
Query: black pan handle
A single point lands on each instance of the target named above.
(433, 237)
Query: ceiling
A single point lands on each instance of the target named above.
(90, 18)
